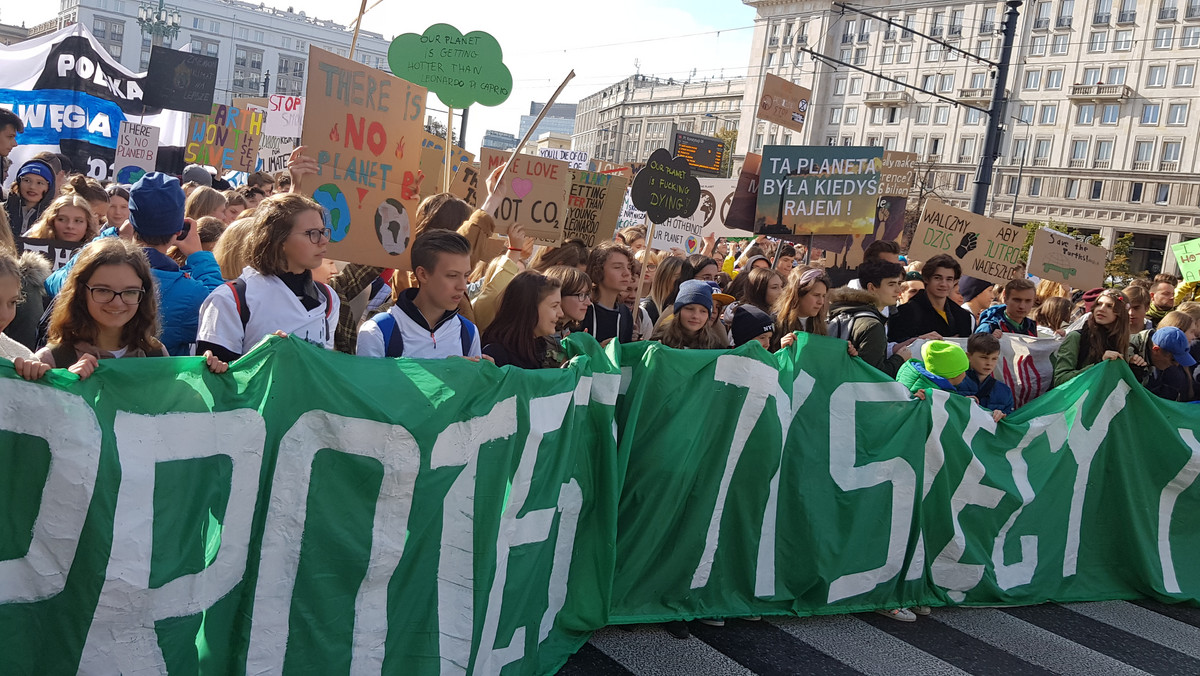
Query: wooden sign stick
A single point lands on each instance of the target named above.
(449, 148)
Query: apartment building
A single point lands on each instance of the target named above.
(1101, 123)
(626, 121)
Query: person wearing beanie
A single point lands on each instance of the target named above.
(689, 327)
(32, 191)
(942, 366)
(978, 295)
(1161, 362)
(752, 324)
(194, 173)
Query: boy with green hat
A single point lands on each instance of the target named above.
(943, 365)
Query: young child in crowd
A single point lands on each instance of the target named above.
(943, 366)
(752, 324)
(610, 267)
(425, 322)
(688, 327)
(10, 300)
(107, 310)
(983, 353)
(68, 218)
(32, 191)
(1162, 362)
(1013, 315)
(529, 314)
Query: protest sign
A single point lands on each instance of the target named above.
(899, 172)
(783, 103)
(593, 205)
(536, 197)
(433, 163)
(226, 139)
(466, 183)
(818, 189)
(604, 167)
(72, 97)
(630, 215)
(273, 153)
(709, 218)
(1187, 254)
(285, 115)
(704, 154)
(987, 248)
(743, 208)
(578, 159)
(470, 514)
(665, 188)
(490, 159)
(460, 69)
(181, 80)
(1064, 259)
(842, 254)
(57, 251)
(137, 152)
(364, 127)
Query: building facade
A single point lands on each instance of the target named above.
(560, 119)
(10, 34)
(628, 120)
(1102, 115)
(261, 50)
(498, 140)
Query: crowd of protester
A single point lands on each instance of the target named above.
(191, 266)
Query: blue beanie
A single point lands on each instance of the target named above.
(694, 291)
(38, 168)
(156, 205)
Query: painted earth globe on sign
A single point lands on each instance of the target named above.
(336, 208)
(392, 226)
(130, 175)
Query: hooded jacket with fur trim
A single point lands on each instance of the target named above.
(867, 332)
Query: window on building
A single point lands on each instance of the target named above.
(1135, 191)
(984, 49)
(1041, 149)
(1177, 114)
(929, 82)
(918, 145)
(978, 80)
(214, 26)
(1086, 114)
(893, 115)
(966, 149)
(1171, 151)
(243, 33)
(877, 116)
(839, 86)
(831, 140)
(1060, 44)
(100, 28)
(946, 82)
(960, 182)
(835, 115)
(887, 55)
(1097, 41)
(1054, 79)
(1035, 186)
(1143, 151)
(1037, 45)
(1020, 148)
(848, 140)
(239, 57)
(1079, 149)
(114, 50)
(923, 114)
(1116, 75)
(1185, 74)
(941, 114)
(1091, 76)
(1156, 76)
(873, 141)
(1111, 113)
(1191, 37)
(212, 48)
(1033, 79)
(1164, 193)
(933, 52)
(1123, 41)
(1150, 113)
(1025, 113)
(1012, 185)
(261, 38)
(197, 23)
(860, 56)
(239, 77)
(1163, 37)
(1104, 149)
(974, 116)
(852, 115)
(856, 85)
(904, 54)
(1072, 191)
(1049, 113)
(1097, 188)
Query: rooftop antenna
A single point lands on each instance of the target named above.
(692, 75)
(637, 64)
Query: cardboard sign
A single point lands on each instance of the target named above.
(466, 184)
(364, 127)
(630, 215)
(712, 212)
(593, 206)
(536, 197)
(137, 151)
(1187, 254)
(604, 167)
(273, 153)
(490, 159)
(818, 189)
(180, 80)
(578, 159)
(783, 103)
(285, 115)
(987, 248)
(744, 207)
(460, 69)
(433, 163)
(57, 251)
(226, 139)
(665, 187)
(1061, 258)
(899, 173)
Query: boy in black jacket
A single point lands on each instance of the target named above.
(931, 311)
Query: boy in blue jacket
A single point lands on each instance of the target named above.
(1013, 316)
(983, 352)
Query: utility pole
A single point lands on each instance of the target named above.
(991, 141)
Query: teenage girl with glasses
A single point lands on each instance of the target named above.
(276, 292)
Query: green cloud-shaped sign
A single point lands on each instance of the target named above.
(460, 69)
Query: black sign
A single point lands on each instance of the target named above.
(703, 153)
(181, 81)
(57, 251)
(74, 65)
(665, 188)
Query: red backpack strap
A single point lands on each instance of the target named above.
(238, 286)
(328, 299)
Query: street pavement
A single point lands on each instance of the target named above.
(1085, 639)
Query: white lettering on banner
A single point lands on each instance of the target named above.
(843, 451)
(74, 444)
(121, 638)
(58, 117)
(947, 570)
(760, 381)
(935, 459)
(1009, 575)
(546, 415)
(89, 70)
(1166, 508)
(1085, 443)
(397, 450)
(764, 577)
(458, 446)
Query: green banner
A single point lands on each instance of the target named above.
(316, 512)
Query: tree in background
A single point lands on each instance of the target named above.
(729, 137)
(926, 183)
(438, 129)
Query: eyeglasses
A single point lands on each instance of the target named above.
(316, 234)
(581, 297)
(101, 294)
